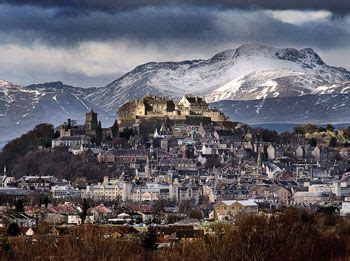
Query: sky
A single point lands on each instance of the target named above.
(93, 42)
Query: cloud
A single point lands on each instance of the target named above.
(91, 47)
(112, 6)
(30, 24)
(300, 17)
(182, 25)
(89, 64)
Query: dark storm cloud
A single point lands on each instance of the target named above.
(29, 24)
(180, 24)
(335, 6)
(54, 40)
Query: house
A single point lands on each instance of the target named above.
(145, 210)
(272, 170)
(227, 209)
(64, 191)
(341, 188)
(344, 153)
(178, 164)
(122, 218)
(101, 213)
(74, 219)
(107, 191)
(274, 152)
(345, 208)
(39, 182)
(69, 141)
(21, 219)
(224, 134)
(306, 197)
(5, 180)
(128, 156)
(278, 194)
(30, 232)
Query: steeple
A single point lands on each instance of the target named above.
(148, 169)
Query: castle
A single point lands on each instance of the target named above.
(189, 109)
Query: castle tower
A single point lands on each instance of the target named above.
(91, 123)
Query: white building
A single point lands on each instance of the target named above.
(306, 197)
(70, 141)
(345, 208)
(64, 191)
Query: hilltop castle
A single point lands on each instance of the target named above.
(188, 109)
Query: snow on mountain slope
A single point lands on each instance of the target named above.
(319, 109)
(343, 87)
(21, 108)
(248, 72)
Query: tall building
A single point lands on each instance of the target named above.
(91, 123)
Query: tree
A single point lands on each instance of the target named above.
(13, 230)
(149, 240)
(313, 142)
(115, 129)
(266, 135)
(6, 245)
(171, 219)
(84, 210)
(186, 206)
(196, 214)
(159, 206)
(46, 201)
(305, 128)
(330, 210)
(40, 135)
(127, 133)
(19, 206)
(333, 142)
(330, 127)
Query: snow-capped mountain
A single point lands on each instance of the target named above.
(311, 108)
(21, 108)
(253, 83)
(270, 72)
(248, 72)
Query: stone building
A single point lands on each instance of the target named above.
(91, 123)
(189, 104)
(188, 110)
(148, 106)
(227, 209)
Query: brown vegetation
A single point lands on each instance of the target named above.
(291, 235)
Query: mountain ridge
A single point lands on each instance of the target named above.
(237, 76)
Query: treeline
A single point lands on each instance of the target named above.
(305, 133)
(267, 135)
(41, 135)
(291, 235)
(311, 128)
(62, 164)
(22, 156)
